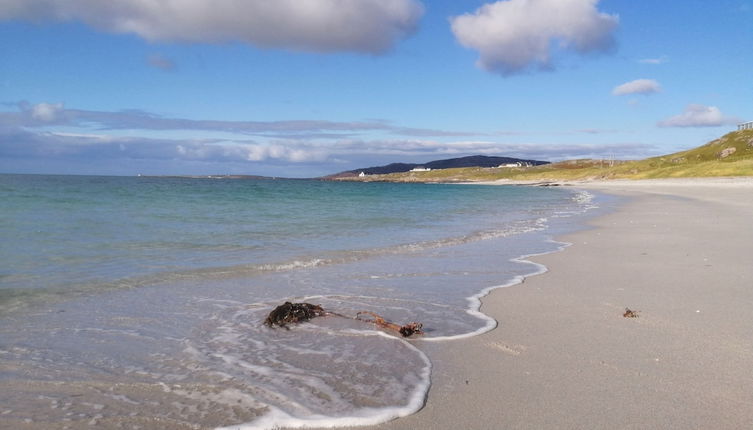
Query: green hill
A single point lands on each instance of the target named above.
(730, 155)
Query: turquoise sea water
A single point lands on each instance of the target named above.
(128, 302)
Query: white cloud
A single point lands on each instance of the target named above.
(86, 142)
(638, 86)
(512, 36)
(46, 112)
(43, 114)
(407, 150)
(696, 115)
(289, 152)
(19, 142)
(371, 26)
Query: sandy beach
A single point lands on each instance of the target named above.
(563, 357)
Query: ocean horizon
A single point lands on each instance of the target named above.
(125, 300)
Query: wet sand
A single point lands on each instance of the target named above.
(680, 252)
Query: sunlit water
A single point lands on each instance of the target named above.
(139, 302)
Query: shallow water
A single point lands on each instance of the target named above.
(138, 302)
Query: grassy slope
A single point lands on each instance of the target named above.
(704, 161)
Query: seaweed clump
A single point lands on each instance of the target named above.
(291, 313)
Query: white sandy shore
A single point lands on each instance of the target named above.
(725, 182)
(564, 357)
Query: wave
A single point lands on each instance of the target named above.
(12, 300)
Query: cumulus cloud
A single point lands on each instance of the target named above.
(696, 115)
(514, 35)
(638, 86)
(370, 26)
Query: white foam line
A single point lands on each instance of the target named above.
(474, 307)
(277, 418)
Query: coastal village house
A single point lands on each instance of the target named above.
(518, 164)
(420, 169)
(745, 126)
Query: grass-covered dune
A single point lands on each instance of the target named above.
(730, 155)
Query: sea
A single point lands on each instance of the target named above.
(139, 302)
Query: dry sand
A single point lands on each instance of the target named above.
(564, 357)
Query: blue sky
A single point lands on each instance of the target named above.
(304, 88)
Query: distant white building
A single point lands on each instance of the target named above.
(420, 169)
(518, 164)
(745, 126)
(362, 174)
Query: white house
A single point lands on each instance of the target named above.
(745, 126)
(420, 169)
(362, 174)
(518, 164)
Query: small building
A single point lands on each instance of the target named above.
(745, 126)
(511, 165)
(421, 169)
(362, 174)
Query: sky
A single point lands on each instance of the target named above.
(306, 88)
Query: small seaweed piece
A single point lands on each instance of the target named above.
(404, 330)
(630, 313)
(411, 329)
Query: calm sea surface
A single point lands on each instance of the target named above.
(138, 302)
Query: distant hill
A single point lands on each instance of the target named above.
(729, 155)
(451, 163)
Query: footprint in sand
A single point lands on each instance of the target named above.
(507, 349)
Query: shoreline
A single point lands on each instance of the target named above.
(723, 181)
(214, 342)
(563, 356)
